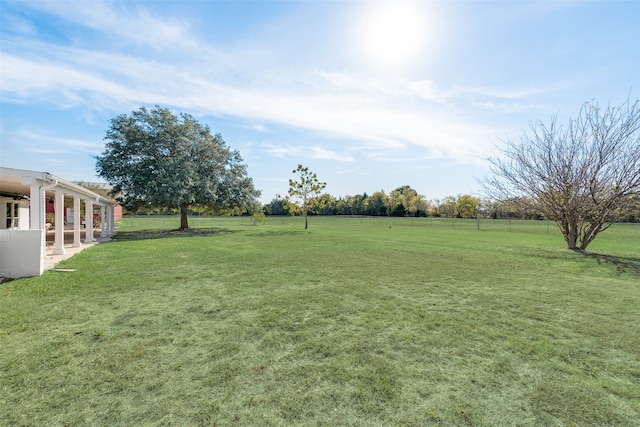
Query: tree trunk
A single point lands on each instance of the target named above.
(595, 228)
(184, 220)
(571, 237)
(586, 240)
(569, 232)
(306, 222)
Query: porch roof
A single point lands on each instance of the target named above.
(17, 182)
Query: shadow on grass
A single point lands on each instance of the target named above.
(622, 264)
(163, 234)
(272, 233)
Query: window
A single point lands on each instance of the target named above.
(12, 214)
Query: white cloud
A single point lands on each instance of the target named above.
(325, 154)
(60, 83)
(42, 142)
(311, 152)
(504, 93)
(121, 21)
(371, 114)
(89, 79)
(426, 90)
(19, 25)
(504, 107)
(259, 128)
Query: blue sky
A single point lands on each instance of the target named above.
(370, 95)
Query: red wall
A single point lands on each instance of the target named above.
(50, 208)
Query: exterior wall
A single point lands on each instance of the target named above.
(24, 215)
(21, 253)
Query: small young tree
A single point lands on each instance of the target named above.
(583, 177)
(258, 217)
(304, 191)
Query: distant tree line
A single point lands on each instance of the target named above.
(406, 202)
(401, 202)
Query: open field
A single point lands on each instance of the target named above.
(355, 322)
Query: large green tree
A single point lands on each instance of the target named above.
(584, 176)
(409, 198)
(467, 206)
(154, 158)
(277, 206)
(377, 204)
(447, 206)
(304, 190)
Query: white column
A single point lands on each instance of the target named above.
(88, 221)
(76, 222)
(36, 199)
(36, 213)
(112, 219)
(103, 221)
(23, 215)
(58, 246)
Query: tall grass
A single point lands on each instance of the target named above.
(359, 321)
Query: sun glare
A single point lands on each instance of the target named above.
(393, 33)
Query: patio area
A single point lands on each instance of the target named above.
(52, 260)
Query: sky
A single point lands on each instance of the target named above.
(370, 95)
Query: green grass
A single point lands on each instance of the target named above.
(356, 322)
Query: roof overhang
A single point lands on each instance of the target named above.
(17, 183)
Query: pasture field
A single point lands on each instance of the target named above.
(355, 322)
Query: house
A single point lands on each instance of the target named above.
(24, 199)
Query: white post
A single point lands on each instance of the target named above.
(36, 214)
(112, 219)
(36, 197)
(88, 221)
(103, 221)
(76, 222)
(58, 246)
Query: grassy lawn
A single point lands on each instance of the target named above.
(356, 322)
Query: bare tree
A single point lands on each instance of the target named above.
(583, 176)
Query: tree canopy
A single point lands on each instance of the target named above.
(584, 176)
(156, 159)
(467, 206)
